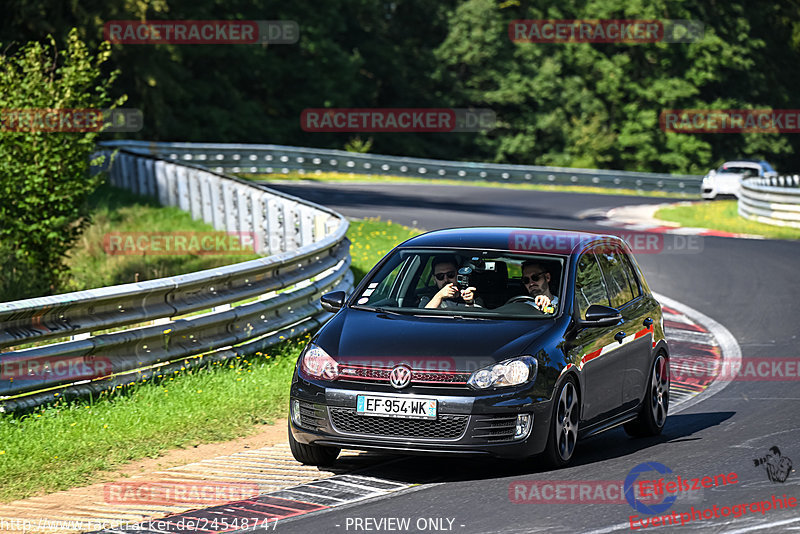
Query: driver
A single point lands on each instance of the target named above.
(536, 280)
(444, 274)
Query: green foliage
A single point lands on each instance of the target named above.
(575, 104)
(597, 105)
(44, 179)
(356, 144)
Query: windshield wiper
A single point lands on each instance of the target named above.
(379, 309)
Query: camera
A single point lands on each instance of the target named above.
(471, 269)
(462, 278)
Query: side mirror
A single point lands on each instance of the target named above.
(332, 302)
(598, 315)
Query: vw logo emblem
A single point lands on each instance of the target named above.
(400, 376)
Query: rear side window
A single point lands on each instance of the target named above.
(630, 274)
(590, 287)
(617, 279)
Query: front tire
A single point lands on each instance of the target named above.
(315, 455)
(653, 416)
(563, 434)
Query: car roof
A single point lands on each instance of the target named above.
(526, 240)
(743, 163)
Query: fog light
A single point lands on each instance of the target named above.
(524, 421)
(296, 413)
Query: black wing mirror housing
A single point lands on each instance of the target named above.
(598, 315)
(332, 302)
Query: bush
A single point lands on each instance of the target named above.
(44, 179)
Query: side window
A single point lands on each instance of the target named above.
(384, 289)
(590, 288)
(629, 272)
(619, 288)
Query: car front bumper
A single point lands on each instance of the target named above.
(465, 424)
(711, 189)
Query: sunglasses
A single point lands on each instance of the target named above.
(448, 274)
(534, 278)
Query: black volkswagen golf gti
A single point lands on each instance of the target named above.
(508, 342)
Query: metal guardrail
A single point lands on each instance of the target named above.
(308, 256)
(774, 201)
(284, 159)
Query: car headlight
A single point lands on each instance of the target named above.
(512, 372)
(317, 363)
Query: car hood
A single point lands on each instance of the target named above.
(383, 339)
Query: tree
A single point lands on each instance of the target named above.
(44, 178)
(597, 105)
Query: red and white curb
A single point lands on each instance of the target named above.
(696, 340)
(641, 218)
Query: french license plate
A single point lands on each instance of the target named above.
(403, 407)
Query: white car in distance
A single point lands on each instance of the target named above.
(727, 179)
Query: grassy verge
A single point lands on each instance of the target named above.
(723, 215)
(67, 445)
(369, 178)
(117, 210)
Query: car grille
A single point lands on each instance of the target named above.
(357, 373)
(312, 415)
(446, 426)
(494, 428)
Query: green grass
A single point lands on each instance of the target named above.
(723, 215)
(369, 178)
(66, 445)
(372, 239)
(70, 444)
(117, 210)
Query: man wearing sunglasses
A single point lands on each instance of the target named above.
(444, 270)
(536, 280)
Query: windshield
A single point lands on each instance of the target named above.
(732, 169)
(466, 282)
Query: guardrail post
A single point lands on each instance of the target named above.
(276, 219)
(244, 210)
(217, 204)
(306, 226)
(206, 194)
(229, 207)
(181, 188)
(195, 192)
(162, 189)
(258, 208)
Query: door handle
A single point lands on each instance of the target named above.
(648, 322)
(619, 336)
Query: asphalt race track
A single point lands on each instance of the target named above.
(749, 286)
